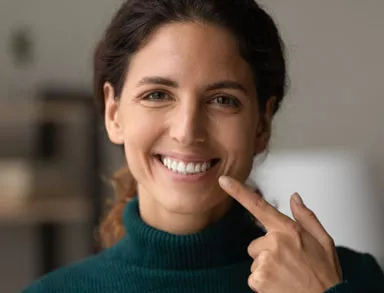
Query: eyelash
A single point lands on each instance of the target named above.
(147, 97)
(233, 101)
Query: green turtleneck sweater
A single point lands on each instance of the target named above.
(213, 260)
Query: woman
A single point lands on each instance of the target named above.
(189, 88)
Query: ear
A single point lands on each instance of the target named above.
(263, 132)
(112, 119)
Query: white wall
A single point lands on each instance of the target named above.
(336, 62)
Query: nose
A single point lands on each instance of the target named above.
(188, 123)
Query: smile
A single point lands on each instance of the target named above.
(187, 168)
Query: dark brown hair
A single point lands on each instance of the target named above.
(259, 43)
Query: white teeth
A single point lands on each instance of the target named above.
(181, 167)
(174, 166)
(190, 168)
(185, 168)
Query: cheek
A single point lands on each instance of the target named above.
(237, 140)
(141, 129)
(235, 135)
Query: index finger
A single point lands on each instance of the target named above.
(265, 213)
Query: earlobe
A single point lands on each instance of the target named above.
(111, 116)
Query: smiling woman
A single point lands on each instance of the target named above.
(192, 78)
(189, 89)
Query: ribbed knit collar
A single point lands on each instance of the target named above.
(222, 243)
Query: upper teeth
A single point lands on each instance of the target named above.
(185, 167)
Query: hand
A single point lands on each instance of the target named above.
(294, 256)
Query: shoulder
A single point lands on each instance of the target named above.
(83, 276)
(360, 269)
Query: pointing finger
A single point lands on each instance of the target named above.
(265, 213)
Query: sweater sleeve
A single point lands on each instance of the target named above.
(361, 274)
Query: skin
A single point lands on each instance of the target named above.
(187, 119)
(295, 256)
(179, 114)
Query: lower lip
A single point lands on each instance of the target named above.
(186, 177)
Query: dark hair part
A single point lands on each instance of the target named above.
(259, 44)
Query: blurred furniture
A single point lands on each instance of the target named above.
(341, 187)
(60, 166)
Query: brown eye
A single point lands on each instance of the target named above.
(226, 101)
(156, 96)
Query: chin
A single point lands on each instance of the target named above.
(191, 202)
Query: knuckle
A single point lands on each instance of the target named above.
(310, 214)
(279, 247)
(260, 203)
(252, 281)
(261, 262)
(299, 242)
(294, 229)
(257, 281)
(296, 233)
(329, 242)
(252, 248)
(264, 258)
(254, 267)
(275, 242)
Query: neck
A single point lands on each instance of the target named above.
(179, 221)
(221, 244)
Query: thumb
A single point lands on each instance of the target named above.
(308, 220)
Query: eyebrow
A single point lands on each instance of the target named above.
(225, 84)
(157, 80)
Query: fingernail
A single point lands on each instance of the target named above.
(225, 181)
(297, 198)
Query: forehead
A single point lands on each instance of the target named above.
(190, 52)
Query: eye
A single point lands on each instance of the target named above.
(156, 96)
(226, 101)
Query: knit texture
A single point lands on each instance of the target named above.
(213, 260)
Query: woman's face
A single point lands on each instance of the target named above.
(187, 114)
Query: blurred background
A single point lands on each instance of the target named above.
(54, 155)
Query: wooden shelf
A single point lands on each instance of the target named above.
(59, 210)
(54, 111)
